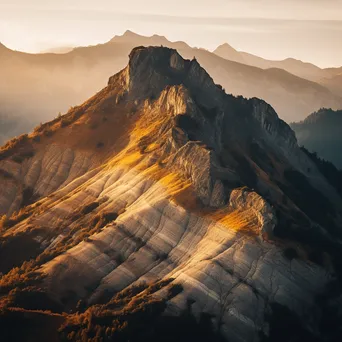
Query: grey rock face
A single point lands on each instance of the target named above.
(44, 173)
(195, 162)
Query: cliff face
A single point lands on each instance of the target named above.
(181, 181)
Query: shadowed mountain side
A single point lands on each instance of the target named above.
(38, 87)
(321, 132)
(287, 93)
(162, 176)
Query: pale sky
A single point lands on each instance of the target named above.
(310, 30)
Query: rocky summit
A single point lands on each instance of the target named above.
(163, 178)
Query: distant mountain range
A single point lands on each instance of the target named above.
(333, 83)
(294, 66)
(36, 87)
(321, 132)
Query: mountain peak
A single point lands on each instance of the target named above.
(323, 113)
(151, 69)
(129, 33)
(228, 52)
(156, 40)
(225, 46)
(132, 36)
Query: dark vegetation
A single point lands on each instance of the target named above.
(61, 121)
(131, 315)
(261, 158)
(66, 120)
(18, 272)
(321, 132)
(246, 171)
(307, 198)
(32, 298)
(25, 248)
(326, 320)
(28, 196)
(137, 314)
(290, 253)
(186, 122)
(209, 113)
(285, 326)
(103, 218)
(21, 325)
(18, 149)
(15, 218)
(134, 314)
(89, 208)
(328, 169)
(21, 156)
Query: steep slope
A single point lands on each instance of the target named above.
(163, 196)
(321, 132)
(35, 88)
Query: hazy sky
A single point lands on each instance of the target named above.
(310, 30)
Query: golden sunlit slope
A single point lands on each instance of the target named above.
(162, 176)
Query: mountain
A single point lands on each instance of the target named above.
(163, 194)
(333, 83)
(287, 93)
(36, 87)
(321, 132)
(228, 52)
(137, 39)
(294, 66)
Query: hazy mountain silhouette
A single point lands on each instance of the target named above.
(294, 66)
(321, 132)
(228, 52)
(334, 83)
(137, 39)
(39, 86)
